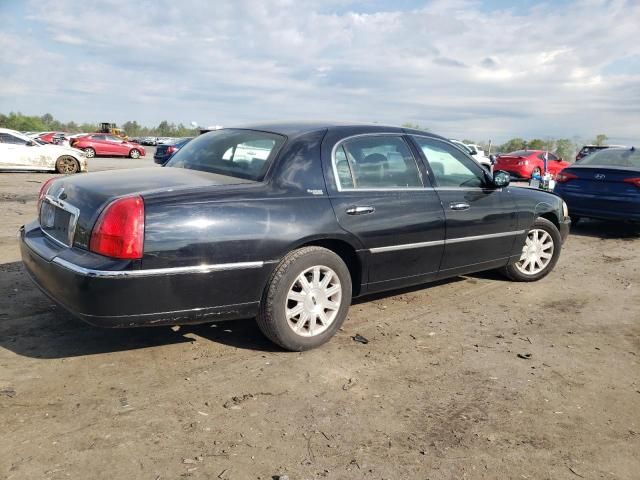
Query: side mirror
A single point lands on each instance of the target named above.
(501, 179)
(493, 159)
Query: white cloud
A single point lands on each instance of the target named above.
(452, 66)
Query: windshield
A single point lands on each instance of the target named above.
(613, 157)
(236, 153)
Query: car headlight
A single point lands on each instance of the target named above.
(565, 210)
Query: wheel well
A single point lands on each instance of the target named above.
(348, 255)
(552, 218)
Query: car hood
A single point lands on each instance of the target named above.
(90, 193)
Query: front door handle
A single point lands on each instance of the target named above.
(459, 206)
(360, 210)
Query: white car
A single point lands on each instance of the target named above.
(475, 151)
(19, 152)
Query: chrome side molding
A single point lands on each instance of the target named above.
(407, 246)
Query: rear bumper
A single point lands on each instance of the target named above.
(515, 171)
(110, 293)
(600, 206)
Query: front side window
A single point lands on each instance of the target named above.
(236, 153)
(450, 167)
(376, 162)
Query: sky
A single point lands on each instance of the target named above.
(474, 69)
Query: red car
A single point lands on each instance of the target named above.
(527, 163)
(48, 137)
(108, 145)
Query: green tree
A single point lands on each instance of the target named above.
(414, 126)
(565, 149)
(600, 139)
(513, 145)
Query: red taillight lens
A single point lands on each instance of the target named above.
(565, 177)
(171, 149)
(119, 231)
(43, 191)
(633, 181)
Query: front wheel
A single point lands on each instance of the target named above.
(134, 153)
(306, 299)
(67, 164)
(540, 253)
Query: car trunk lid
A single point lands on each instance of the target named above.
(74, 203)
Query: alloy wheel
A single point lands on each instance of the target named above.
(313, 301)
(536, 253)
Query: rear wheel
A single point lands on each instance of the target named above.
(90, 152)
(134, 153)
(67, 164)
(306, 299)
(540, 253)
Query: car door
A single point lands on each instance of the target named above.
(14, 152)
(480, 219)
(116, 147)
(381, 195)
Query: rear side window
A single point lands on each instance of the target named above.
(7, 138)
(376, 162)
(450, 167)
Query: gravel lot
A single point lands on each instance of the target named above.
(439, 391)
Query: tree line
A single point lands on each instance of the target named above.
(46, 122)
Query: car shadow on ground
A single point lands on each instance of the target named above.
(32, 325)
(605, 229)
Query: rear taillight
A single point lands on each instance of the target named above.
(565, 177)
(43, 191)
(633, 181)
(171, 149)
(119, 231)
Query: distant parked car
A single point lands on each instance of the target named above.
(528, 163)
(165, 151)
(20, 152)
(50, 137)
(474, 151)
(108, 145)
(149, 141)
(588, 149)
(604, 184)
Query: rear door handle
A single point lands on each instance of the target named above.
(459, 206)
(360, 210)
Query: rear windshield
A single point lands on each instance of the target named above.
(236, 153)
(613, 157)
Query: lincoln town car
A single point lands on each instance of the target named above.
(285, 223)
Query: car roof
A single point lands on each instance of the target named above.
(8, 130)
(294, 129)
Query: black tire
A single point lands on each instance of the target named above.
(272, 318)
(514, 273)
(90, 152)
(67, 165)
(134, 153)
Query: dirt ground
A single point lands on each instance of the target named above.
(439, 392)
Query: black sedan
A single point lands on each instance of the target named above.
(166, 150)
(285, 223)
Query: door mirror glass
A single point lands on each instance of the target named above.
(492, 159)
(501, 179)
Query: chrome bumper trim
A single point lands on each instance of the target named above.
(220, 267)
